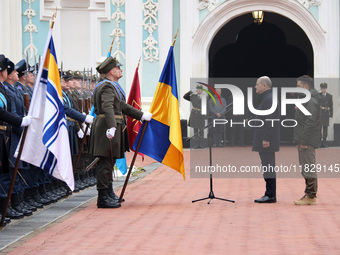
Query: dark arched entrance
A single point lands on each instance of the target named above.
(278, 48)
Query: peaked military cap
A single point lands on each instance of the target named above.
(10, 67)
(77, 75)
(21, 67)
(69, 74)
(199, 86)
(107, 65)
(3, 63)
(323, 85)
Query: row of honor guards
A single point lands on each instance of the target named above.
(33, 186)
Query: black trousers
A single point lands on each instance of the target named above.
(324, 133)
(269, 174)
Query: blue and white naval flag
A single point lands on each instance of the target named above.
(47, 143)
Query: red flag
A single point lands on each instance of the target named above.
(134, 100)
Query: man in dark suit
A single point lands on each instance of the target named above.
(267, 138)
(326, 106)
(109, 138)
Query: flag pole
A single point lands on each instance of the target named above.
(134, 155)
(132, 163)
(139, 62)
(22, 141)
(109, 53)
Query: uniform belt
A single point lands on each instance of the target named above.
(70, 119)
(116, 116)
(324, 108)
(3, 127)
(196, 109)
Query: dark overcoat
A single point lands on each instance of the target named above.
(110, 112)
(270, 131)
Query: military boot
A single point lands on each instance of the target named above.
(104, 201)
(113, 195)
(11, 213)
(17, 205)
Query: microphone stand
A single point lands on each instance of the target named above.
(211, 195)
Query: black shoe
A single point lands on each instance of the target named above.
(265, 199)
(12, 214)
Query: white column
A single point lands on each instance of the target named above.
(133, 41)
(165, 36)
(329, 21)
(189, 21)
(11, 29)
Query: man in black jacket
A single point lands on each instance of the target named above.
(267, 138)
(307, 135)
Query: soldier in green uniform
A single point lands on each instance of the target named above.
(109, 138)
(326, 106)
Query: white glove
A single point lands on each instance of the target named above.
(89, 119)
(26, 121)
(110, 133)
(80, 134)
(147, 116)
(88, 131)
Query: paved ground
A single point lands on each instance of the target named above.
(159, 217)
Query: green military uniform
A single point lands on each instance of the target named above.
(110, 109)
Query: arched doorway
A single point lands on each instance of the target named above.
(277, 48)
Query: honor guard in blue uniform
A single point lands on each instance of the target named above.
(20, 67)
(73, 118)
(18, 108)
(7, 120)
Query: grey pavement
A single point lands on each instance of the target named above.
(18, 229)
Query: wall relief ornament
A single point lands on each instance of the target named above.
(150, 24)
(207, 4)
(30, 28)
(308, 3)
(118, 32)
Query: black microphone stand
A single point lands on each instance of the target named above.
(211, 193)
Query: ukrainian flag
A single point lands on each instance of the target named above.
(162, 140)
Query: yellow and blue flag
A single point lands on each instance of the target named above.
(47, 143)
(162, 140)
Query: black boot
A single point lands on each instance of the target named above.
(104, 201)
(26, 205)
(16, 205)
(38, 197)
(28, 197)
(113, 195)
(11, 213)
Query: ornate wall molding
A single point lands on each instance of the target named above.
(308, 3)
(30, 49)
(150, 24)
(207, 4)
(118, 32)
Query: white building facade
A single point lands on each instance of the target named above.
(145, 29)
